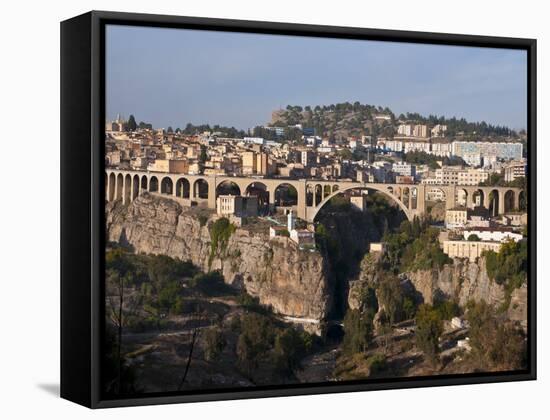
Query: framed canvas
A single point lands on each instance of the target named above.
(256, 209)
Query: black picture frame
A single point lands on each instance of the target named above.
(83, 192)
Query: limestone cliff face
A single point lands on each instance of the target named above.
(465, 281)
(292, 281)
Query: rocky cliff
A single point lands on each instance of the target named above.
(291, 281)
(465, 281)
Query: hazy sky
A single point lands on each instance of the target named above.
(174, 76)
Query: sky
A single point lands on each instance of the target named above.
(169, 77)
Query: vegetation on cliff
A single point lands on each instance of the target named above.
(155, 294)
(496, 344)
(343, 235)
(508, 267)
(415, 246)
(220, 232)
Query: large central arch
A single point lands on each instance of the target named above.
(408, 214)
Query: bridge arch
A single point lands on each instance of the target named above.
(461, 197)
(127, 186)
(436, 194)
(478, 198)
(119, 186)
(166, 185)
(286, 195)
(112, 187)
(384, 191)
(135, 186)
(413, 198)
(153, 184)
(509, 201)
(201, 188)
(522, 200)
(494, 201)
(183, 188)
(228, 187)
(260, 190)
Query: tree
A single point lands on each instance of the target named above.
(132, 125)
(473, 238)
(255, 340)
(120, 305)
(204, 155)
(214, 343)
(429, 328)
(391, 297)
(357, 332)
(290, 347)
(495, 344)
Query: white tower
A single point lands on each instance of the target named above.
(291, 221)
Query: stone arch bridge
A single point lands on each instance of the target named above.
(311, 194)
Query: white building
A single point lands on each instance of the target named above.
(438, 130)
(228, 205)
(420, 130)
(493, 234)
(502, 150)
(404, 168)
(359, 202)
(404, 129)
(254, 140)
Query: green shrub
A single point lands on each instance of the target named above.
(214, 343)
(220, 232)
(429, 328)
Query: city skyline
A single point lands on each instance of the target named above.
(169, 77)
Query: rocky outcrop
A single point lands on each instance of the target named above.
(291, 281)
(464, 281)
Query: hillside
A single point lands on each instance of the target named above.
(338, 121)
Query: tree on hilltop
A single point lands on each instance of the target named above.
(132, 125)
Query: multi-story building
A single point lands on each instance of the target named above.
(469, 249)
(307, 158)
(456, 218)
(404, 168)
(169, 166)
(112, 158)
(514, 170)
(237, 205)
(404, 179)
(139, 162)
(254, 140)
(420, 130)
(450, 175)
(404, 129)
(264, 165)
(502, 150)
(441, 147)
(472, 176)
(391, 144)
(447, 175)
(249, 162)
(414, 145)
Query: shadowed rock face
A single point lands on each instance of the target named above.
(293, 282)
